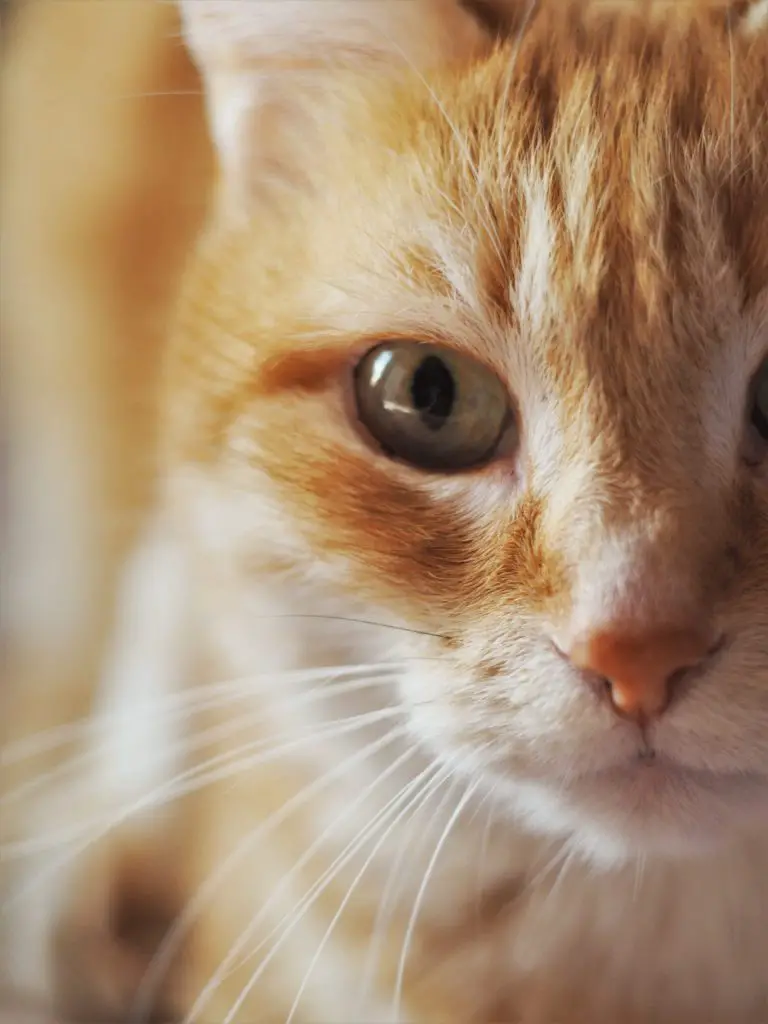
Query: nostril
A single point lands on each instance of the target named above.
(716, 647)
(599, 684)
(678, 683)
(683, 679)
(558, 650)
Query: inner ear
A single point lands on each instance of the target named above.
(262, 59)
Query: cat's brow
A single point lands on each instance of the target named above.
(309, 369)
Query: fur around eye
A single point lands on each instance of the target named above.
(430, 406)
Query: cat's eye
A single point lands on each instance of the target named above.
(759, 411)
(431, 406)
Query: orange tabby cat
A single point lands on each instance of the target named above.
(435, 686)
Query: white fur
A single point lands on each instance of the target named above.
(532, 293)
(756, 18)
(150, 661)
(133, 748)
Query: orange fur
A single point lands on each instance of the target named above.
(580, 206)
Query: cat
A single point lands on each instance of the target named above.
(435, 679)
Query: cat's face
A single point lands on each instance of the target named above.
(488, 361)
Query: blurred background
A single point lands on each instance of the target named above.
(105, 173)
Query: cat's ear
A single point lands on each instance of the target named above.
(260, 58)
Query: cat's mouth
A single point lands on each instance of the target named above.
(652, 804)
(650, 770)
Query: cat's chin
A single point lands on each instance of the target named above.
(647, 810)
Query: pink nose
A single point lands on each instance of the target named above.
(641, 670)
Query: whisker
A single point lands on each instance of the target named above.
(187, 782)
(395, 876)
(214, 769)
(190, 743)
(562, 852)
(171, 941)
(639, 874)
(471, 788)
(43, 742)
(231, 959)
(329, 688)
(319, 887)
(571, 853)
(157, 93)
(359, 622)
(347, 897)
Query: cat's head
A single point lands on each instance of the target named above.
(477, 342)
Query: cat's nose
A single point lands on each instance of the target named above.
(641, 672)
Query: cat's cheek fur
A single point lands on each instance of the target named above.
(504, 704)
(270, 603)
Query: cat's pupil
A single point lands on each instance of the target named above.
(433, 392)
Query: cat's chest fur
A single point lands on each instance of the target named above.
(510, 930)
(549, 940)
(688, 938)
(507, 928)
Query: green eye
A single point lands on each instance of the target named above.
(431, 406)
(760, 402)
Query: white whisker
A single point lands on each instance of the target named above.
(556, 862)
(385, 909)
(191, 743)
(192, 910)
(469, 792)
(571, 852)
(158, 93)
(231, 960)
(214, 770)
(345, 901)
(485, 838)
(323, 882)
(640, 862)
(197, 697)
